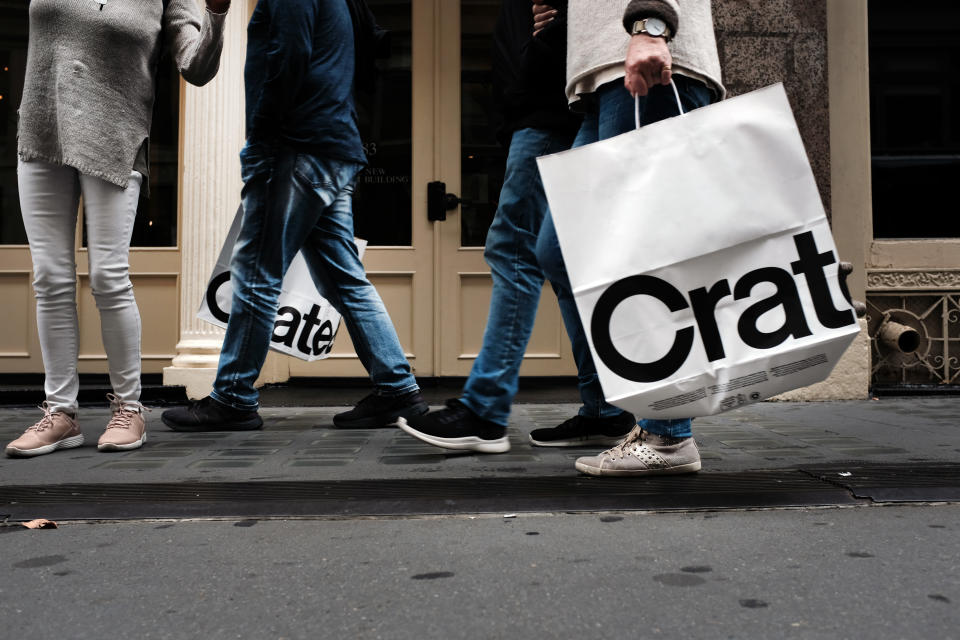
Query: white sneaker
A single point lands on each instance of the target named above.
(643, 453)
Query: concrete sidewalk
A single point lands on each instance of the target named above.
(300, 444)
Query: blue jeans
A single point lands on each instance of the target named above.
(302, 202)
(612, 113)
(517, 279)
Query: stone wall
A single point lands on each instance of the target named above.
(762, 42)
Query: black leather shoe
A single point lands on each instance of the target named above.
(580, 431)
(209, 415)
(376, 411)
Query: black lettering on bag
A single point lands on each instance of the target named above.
(811, 265)
(795, 323)
(323, 335)
(639, 285)
(704, 304)
(292, 324)
(212, 288)
(309, 321)
(704, 301)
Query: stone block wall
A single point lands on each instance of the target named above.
(762, 42)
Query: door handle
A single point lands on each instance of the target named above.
(439, 201)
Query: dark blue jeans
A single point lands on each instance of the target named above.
(613, 114)
(302, 202)
(517, 279)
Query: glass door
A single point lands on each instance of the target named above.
(397, 125)
(472, 167)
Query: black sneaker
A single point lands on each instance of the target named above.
(381, 411)
(580, 431)
(457, 427)
(208, 414)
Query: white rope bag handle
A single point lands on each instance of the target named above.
(636, 104)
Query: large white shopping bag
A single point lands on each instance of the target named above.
(306, 322)
(701, 260)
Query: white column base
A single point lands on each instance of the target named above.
(195, 368)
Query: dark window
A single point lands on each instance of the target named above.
(483, 160)
(915, 117)
(382, 203)
(156, 224)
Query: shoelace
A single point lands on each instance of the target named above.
(46, 421)
(620, 450)
(122, 417)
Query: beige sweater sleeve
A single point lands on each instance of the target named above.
(194, 37)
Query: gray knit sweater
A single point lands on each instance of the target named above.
(89, 90)
(597, 42)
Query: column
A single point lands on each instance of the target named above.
(212, 136)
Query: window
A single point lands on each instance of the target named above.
(915, 118)
(156, 224)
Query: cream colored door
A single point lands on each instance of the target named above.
(432, 275)
(471, 165)
(399, 126)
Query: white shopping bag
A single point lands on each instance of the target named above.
(701, 259)
(306, 322)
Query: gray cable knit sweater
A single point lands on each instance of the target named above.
(597, 42)
(89, 90)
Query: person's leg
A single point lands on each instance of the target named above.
(517, 278)
(478, 420)
(551, 261)
(616, 116)
(109, 213)
(49, 196)
(334, 262)
(655, 446)
(279, 210)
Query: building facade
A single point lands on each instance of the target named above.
(879, 125)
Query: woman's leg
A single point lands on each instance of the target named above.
(49, 196)
(109, 212)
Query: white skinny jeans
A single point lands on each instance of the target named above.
(49, 196)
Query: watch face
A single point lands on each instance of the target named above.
(655, 26)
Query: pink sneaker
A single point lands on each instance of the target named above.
(126, 429)
(55, 430)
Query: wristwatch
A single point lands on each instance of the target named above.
(652, 27)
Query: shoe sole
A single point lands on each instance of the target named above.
(66, 443)
(691, 467)
(471, 443)
(380, 422)
(193, 428)
(602, 441)
(111, 446)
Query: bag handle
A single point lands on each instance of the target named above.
(636, 104)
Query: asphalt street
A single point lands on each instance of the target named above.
(859, 572)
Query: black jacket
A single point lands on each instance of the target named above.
(529, 73)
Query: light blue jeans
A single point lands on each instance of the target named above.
(302, 202)
(612, 113)
(517, 279)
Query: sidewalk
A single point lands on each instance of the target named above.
(298, 456)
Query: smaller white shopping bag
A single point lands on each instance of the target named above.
(701, 259)
(306, 322)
